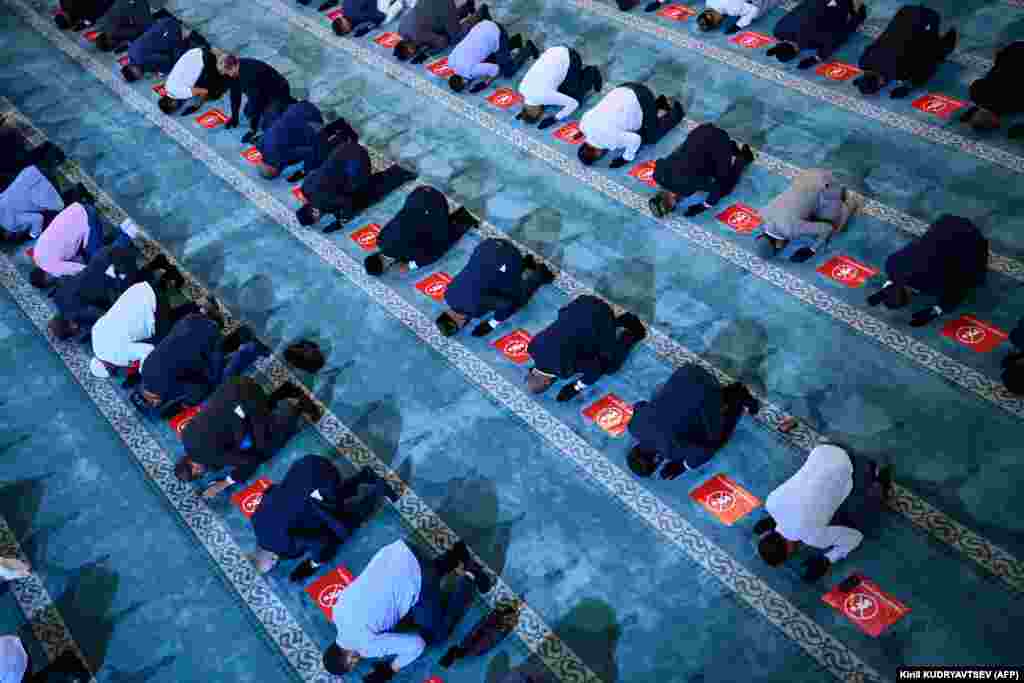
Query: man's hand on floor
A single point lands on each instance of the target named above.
(215, 488)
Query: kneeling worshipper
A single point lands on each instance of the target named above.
(289, 137)
(947, 262)
(329, 137)
(359, 17)
(71, 241)
(312, 512)
(819, 25)
(707, 161)
(497, 278)
(28, 204)
(998, 93)
(1013, 363)
(241, 427)
(822, 506)
(345, 185)
(193, 81)
(192, 361)
(909, 52)
(486, 53)
(432, 25)
(584, 340)
(420, 233)
(16, 155)
(79, 14)
(558, 78)
(158, 49)
(733, 15)
(16, 665)
(627, 117)
(800, 221)
(396, 584)
(125, 21)
(689, 419)
(262, 85)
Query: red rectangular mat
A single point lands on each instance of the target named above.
(160, 90)
(868, 606)
(740, 218)
(725, 499)
(974, 334)
(570, 133)
(249, 498)
(838, 71)
(440, 68)
(514, 345)
(434, 679)
(334, 14)
(504, 98)
(435, 285)
(847, 271)
(752, 40)
(123, 60)
(30, 252)
(388, 40)
(297, 193)
(676, 12)
(181, 420)
(366, 237)
(939, 105)
(644, 172)
(212, 119)
(325, 590)
(611, 414)
(252, 155)
(91, 36)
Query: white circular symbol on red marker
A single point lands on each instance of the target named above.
(844, 271)
(749, 41)
(610, 418)
(367, 238)
(436, 288)
(721, 501)
(251, 502)
(645, 173)
(329, 595)
(516, 347)
(739, 219)
(970, 334)
(934, 106)
(861, 607)
(503, 98)
(838, 72)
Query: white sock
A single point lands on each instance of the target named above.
(129, 227)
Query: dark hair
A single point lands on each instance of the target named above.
(131, 72)
(62, 21)
(61, 328)
(773, 549)
(896, 297)
(642, 463)
(336, 660)
(532, 113)
(38, 278)
(305, 215)
(1013, 378)
(168, 105)
(183, 469)
(588, 154)
(445, 324)
(405, 50)
(339, 26)
(104, 42)
(457, 83)
(374, 264)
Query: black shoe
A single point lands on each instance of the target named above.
(337, 225)
(303, 571)
(483, 582)
(661, 102)
(296, 177)
(808, 62)
(235, 340)
(515, 42)
(530, 262)
(747, 154)
(883, 475)
(1012, 358)
(632, 325)
(598, 82)
(310, 409)
(462, 216)
(172, 279)
(653, 6)
(968, 115)
(533, 49)
(548, 275)
(764, 525)
(450, 656)
(877, 297)
(485, 12)
(286, 391)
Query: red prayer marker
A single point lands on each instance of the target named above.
(740, 218)
(644, 172)
(366, 236)
(160, 90)
(123, 60)
(676, 12)
(334, 14)
(181, 420)
(248, 499)
(212, 119)
(974, 334)
(325, 590)
(252, 155)
(570, 133)
(440, 68)
(611, 414)
(514, 346)
(297, 193)
(868, 606)
(435, 285)
(725, 499)
(938, 105)
(503, 98)
(91, 36)
(847, 271)
(751, 40)
(837, 71)
(388, 40)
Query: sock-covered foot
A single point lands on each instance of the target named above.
(632, 325)
(483, 329)
(303, 571)
(547, 275)
(747, 154)
(483, 582)
(288, 390)
(530, 262)
(532, 48)
(515, 42)
(234, 341)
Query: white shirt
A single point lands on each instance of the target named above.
(541, 83)
(746, 11)
(467, 59)
(612, 123)
(116, 336)
(184, 75)
(11, 569)
(13, 660)
(376, 601)
(803, 506)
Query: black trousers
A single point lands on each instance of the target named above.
(579, 80)
(505, 304)
(381, 185)
(654, 127)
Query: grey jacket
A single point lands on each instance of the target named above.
(24, 200)
(813, 207)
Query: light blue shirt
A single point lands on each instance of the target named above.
(467, 59)
(13, 660)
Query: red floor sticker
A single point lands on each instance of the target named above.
(249, 498)
(91, 36)
(211, 119)
(252, 155)
(644, 172)
(181, 420)
(503, 98)
(513, 346)
(570, 133)
(837, 71)
(433, 679)
(974, 334)
(939, 105)
(676, 12)
(388, 40)
(611, 414)
(868, 606)
(725, 499)
(325, 590)
(440, 68)
(160, 90)
(30, 252)
(123, 61)
(297, 193)
(435, 286)
(752, 40)
(334, 14)
(847, 271)
(366, 237)
(740, 218)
